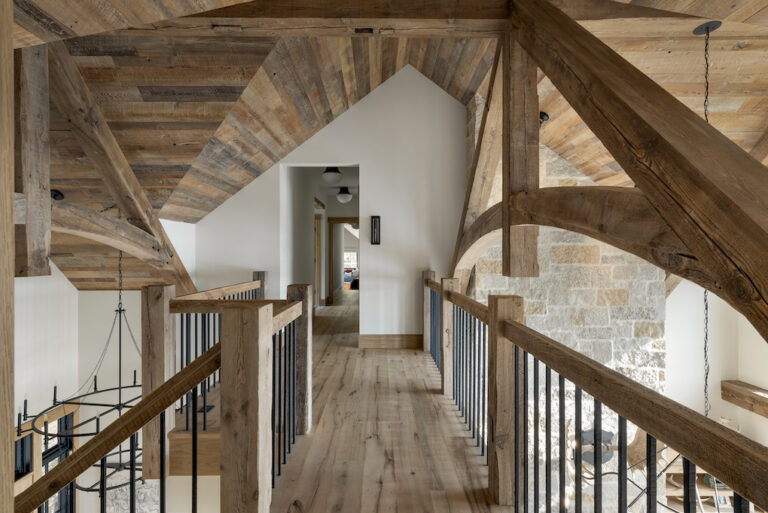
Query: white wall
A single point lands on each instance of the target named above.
(183, 236)
(408, 139)
(46, 332)
(737, 351)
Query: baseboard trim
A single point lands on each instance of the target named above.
(390, 341)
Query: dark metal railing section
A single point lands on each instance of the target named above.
(470, 373)
(574, 446)
(283, 397)
(434, 328)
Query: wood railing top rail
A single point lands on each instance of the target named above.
(733, 458)
(222, 291)
(117, 432)
(432, 284)
(468, 304)
(285, 311)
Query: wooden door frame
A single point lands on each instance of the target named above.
(317, 255)
(331, 222)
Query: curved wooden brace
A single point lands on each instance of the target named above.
(91, 225)
(619, 216)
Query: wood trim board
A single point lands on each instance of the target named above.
(390, 341)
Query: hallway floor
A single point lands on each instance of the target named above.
(384, 439)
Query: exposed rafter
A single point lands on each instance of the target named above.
(619, 216)
(98, 227)
(73, 98)
(711, 192)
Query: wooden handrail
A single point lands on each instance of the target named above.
(468, 304)
(432, 284)
(117, 432)
(222, 291)
(735, 460)
(284, 311)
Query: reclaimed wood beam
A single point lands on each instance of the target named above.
(744, 395)
(520, 156)
(75, 101)
(33, 160)
(760, 149)
(95, 226)
(7, 256)
(620, 216)
(712, 193)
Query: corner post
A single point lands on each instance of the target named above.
(427, 275)
(446, 334)
(158, 364)
(303, 293)
(503, 411)
(246, 409)
(262, 277)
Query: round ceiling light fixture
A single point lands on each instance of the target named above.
(332, 175)
(344, 196)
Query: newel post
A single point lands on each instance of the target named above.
(158, 364)
(446, 334)
(246, 409)
(504, 374)
(303, 293)
(427, 275)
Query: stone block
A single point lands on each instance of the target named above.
(612, 297)
(572, 254)
(535, 308)
(649, 329)
(594, 316)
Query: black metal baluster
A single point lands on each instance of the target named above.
(279, 404)
(285, 396)
(516, 452)
(740, 504)
(689, 487)
(132, 473)
(293, 344)
(579, 454)
(561, 477)
(536, 420)
(205, 405)
(598, 447)
(622, 482)
(162, 462)
(455, 355)
(103, 485)
(194, 450)
(484, 387)
(650, 454)
(548, 439)
(472, 376)
(274, 408)
(526, 499)
(197, 338)
(189, 337)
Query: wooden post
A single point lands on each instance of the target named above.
(7, 255)
(33, 160)
(246, 409)
(520, 156)
(427, 275)
(303, 293)
(262, 277)
(501, 401)
(158, 364)
(446, 334)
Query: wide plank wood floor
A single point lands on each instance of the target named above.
(384, 438)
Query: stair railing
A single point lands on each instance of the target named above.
(264, 360)
(563, 430)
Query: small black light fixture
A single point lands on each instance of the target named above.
(57, 195)
(375, 230)
(543, 116)
(344, 196)
(332, 175)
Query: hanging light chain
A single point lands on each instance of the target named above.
(707, 402)
(706, 75)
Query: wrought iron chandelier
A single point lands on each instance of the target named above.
(107, 401)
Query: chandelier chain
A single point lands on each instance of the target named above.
(707, 402)
(706, 76)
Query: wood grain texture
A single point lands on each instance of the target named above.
(246, 404)
(744, 395)
(446, 334)
(732, 458)
(391, 341)
(520, 156)
(222, 292)
(7, 256)
(710, 191)
(158, 364)
(110, 437)
(502, 367)
(427, 310)
(33, 157)
(475, 308)
(304, 295)
(304, 84)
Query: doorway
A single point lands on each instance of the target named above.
(340, 275)
(318, 258)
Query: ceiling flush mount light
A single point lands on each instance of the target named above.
(57, 195)
(543, 116)
(344, 196)
(332, 175)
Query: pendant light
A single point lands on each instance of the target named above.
(332, 175)
(344, 196)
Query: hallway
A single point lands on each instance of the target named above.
(384, 439)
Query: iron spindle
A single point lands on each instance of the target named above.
(622, 481)
(740, 504)
(579, 454)
(548, 439)
(293, 344)
(103, 485)
(194, 450)
(205, 405)
(561, 477)
(650, 455)
(484, 397)
(162, 462)
(536, 421)
(525, 433)
(598, 448)
(132, 478)
(286, 391)
(472, 376)
(197, 337)
(274, 406)
(279, 404)
(516, 452)
(689, 487)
